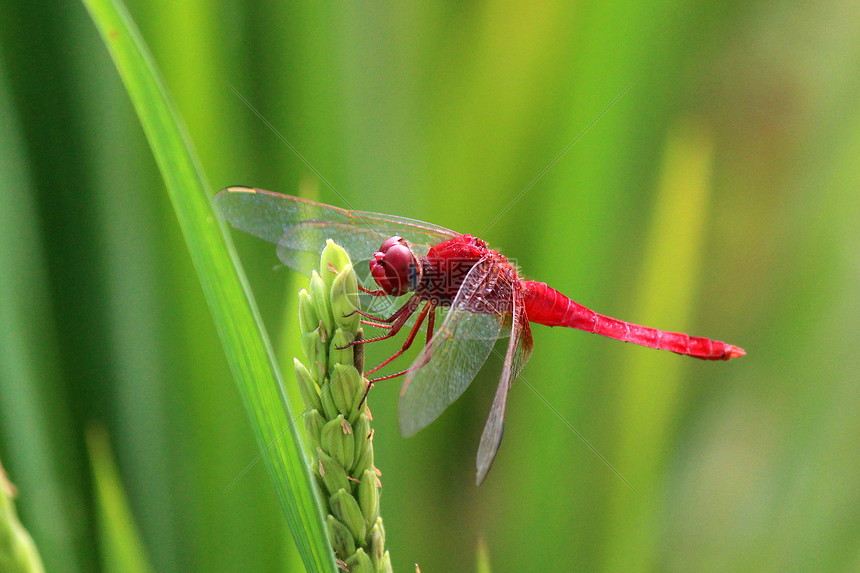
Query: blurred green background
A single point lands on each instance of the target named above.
(719, 195)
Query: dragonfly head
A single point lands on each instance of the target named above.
(395, 268)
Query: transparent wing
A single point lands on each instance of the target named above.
(446, 366)
(300, 227)
(519, 351)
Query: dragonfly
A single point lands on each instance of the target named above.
(477, 292)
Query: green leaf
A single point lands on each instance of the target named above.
(119, 541)
(231, 303)
(482, 554)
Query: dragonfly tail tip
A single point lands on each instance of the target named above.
(735, 352)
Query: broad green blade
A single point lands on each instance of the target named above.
(234, 311)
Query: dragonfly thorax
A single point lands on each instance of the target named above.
(395, 268)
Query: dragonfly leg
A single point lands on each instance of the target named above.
(409, 339)
(385, 323)
(362, 313)
(375, 318)
(430, 323)
(399, 318)
(374, 321)
(376, 324)
(376, 292)
(370, 383)
(429, 309)
(378, 321)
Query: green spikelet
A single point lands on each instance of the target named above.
(338, 431)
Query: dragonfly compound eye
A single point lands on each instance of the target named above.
(394, 267)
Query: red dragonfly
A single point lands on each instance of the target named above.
(442, 269)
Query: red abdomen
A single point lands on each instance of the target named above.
(546, 305)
